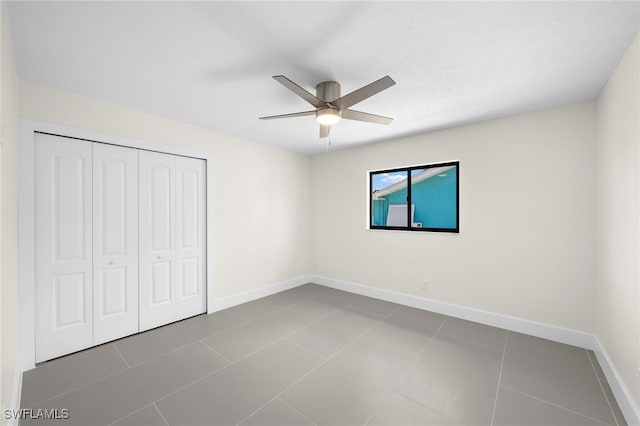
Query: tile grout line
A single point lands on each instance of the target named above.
(314, 320)
(80, 386)
(504, 355)
(245, 321)
(382, 400)
(316, 367)
(290, 306)
(286, 336)
(215, 352)
(243, 357)
(190, 343)
(409, 365)
(121, 356)
(213, 372)
(442, 413)
(192, 383)
(363, 310)
(324, 315)
(480, 345)
(140, 363)
(555, 405)
(338, 308)
(426, 345)
(295, 409)
(304, 348)
(130, 414)
(113, 343)
(346, 307)
(159, 412)
(606, 398)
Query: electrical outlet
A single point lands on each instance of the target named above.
(425, 285)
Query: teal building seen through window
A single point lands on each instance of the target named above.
(421, 198)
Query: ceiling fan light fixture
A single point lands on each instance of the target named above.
(330, 107)
(328, 116)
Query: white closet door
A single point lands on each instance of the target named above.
(190, 236)
(157, 239)
(64, 314)
(115, 242)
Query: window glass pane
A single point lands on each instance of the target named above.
(434, 198)
(389, 198)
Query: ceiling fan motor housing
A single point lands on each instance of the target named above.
(328, 91)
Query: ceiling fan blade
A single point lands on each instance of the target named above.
(350, 114)
(299, 91)
(293, 114)
(324, 130)
(363, 93)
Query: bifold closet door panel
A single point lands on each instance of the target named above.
(190, 236)
(157, 239)
(63, 249)
(115, 242)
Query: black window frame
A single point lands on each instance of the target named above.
(409, 170)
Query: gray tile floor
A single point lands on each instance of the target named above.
(314, 355)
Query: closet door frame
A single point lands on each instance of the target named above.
(26, 223)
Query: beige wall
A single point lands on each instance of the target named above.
(526, 242)
(261, 200)
(618, 216)
(9, 218)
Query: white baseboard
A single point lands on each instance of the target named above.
(622, 394)
(248, 296)
(15, 398)
(532, 328)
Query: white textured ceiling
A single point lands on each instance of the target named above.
(210, 63)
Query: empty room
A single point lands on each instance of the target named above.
(320, 213)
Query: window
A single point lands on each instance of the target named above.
(431, 191)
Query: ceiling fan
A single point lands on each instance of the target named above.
(330, 107)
